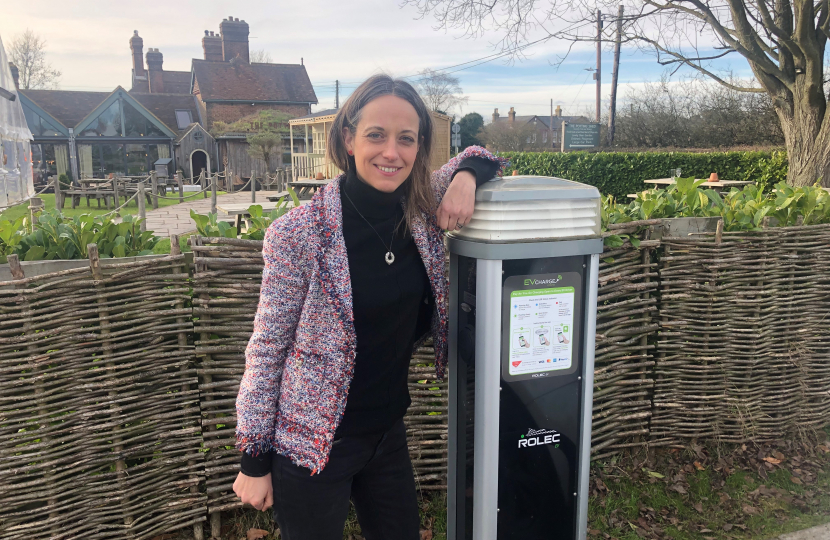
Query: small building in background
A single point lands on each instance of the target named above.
(547, 132)
(309, 136)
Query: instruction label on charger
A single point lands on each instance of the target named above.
(541, 330)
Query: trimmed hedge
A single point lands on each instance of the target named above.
(621, 173)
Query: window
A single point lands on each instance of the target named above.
(319, 146)
(39, 126)
(544, 136)
(534, 137)
(108, 123)
(135, 124)
(183, 118)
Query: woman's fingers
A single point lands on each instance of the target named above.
(256, 491)
(458, 203)
(269, 500)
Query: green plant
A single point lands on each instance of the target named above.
(260, 222)
(740, 209)
(64, 181)
(57, 237)
(11, 234)
(207, 225)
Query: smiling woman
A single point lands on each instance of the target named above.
(353, 283)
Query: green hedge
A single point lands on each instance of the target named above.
(621, 173)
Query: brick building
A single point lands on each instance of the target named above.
(547, 130)
(165, 113)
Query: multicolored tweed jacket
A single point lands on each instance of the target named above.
(300, 358)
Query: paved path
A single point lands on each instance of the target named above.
(176, 219)
(822, 532)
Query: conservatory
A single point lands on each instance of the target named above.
(116, 135)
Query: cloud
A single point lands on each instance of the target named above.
(347, 41)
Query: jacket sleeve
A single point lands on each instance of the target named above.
(442, 177)
(281, 298)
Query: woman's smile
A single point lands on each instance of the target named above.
(387, 170)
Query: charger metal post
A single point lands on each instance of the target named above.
(523, 293)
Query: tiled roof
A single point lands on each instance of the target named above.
(164, 106)
(253, 82)
(68, 107)
(176, 82)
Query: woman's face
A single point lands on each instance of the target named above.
(385, 142)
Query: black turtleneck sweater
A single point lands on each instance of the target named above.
(392, 305)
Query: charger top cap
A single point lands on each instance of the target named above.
(533, 208)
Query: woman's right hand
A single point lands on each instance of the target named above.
(256, 491)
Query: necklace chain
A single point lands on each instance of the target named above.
(389, 257)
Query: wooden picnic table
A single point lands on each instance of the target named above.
(240, 210)
(307, 187)
(720, 184)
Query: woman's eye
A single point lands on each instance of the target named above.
(374, 136)
(407, 140)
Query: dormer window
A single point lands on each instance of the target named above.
(183, 118)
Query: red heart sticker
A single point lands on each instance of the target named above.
(516, 363)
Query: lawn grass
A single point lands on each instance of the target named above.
(15, 212)
(697, 493)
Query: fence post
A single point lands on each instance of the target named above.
(58, 194)
(181, 188)
(115, 196)
(213, 195)
(154, 188)
(142, 213)
(203, 183)
(253, 186)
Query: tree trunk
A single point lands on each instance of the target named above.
(804, 120)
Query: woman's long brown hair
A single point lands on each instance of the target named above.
(419, 195)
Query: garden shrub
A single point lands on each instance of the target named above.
(621, 173)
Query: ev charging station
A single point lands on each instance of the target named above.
(523, 295)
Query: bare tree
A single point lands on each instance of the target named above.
(261, 56)
(440, 91)
(28, 52)
(508, 137)
(783, 41)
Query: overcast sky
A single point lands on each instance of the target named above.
(88, 40)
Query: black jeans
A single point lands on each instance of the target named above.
(373, 470)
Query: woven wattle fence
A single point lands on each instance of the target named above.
(118, 382)
(99, 410)
(744, 347)
(624, 360)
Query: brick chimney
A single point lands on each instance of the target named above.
(511, 114)
(15, 75)
(495, 114)
(137, 46)
(154, 62)
(234, 39)
(558, 110)
(212, 45)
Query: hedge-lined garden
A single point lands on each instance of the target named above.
(618, 173)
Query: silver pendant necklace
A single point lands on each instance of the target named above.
(389, 257)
